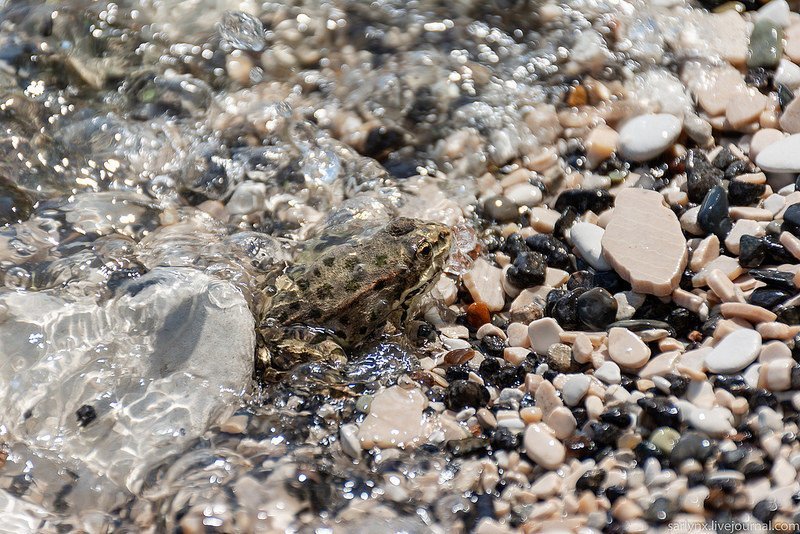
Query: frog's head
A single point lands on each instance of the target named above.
(426, 246)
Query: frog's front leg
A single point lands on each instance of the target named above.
(284, 348)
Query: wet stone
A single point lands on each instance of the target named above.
(528, 270)
(659, 412)
(555, 252)
(742, 193)
(501, 209)
(646, 136)
(462, 394)
(694, 446)
(767, 297)
(766, 44)
(713, 214)
(665, 439)
(617, 417)
(15, 204)
(596, 200)
(596, 309)
(774, 278)
(701, 176)
(752, 251)
(791, 220)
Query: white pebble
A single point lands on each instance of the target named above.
(646, 136)
(609, 373)
(574, 389)
(542, 447)
(776, 375)
(776, 11)
(484, 283)
(788, 74)
(627, 349)
(543, 333)
(783, 156)
(713, 421)
(348, 434)
(735, 352)
(524, 194)
(587, 238)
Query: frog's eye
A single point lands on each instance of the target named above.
(425, 250)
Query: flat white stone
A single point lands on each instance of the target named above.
(574, 389)
(395, 419)
(562, 422)
(776, 11)
(646, 136)
(782, 156)
(587, 238)
(484, 282)
(735, 352)
(644, 243)
(609, 373)
(713, 421)
(627, 349)
(543, 333)
(542, 447)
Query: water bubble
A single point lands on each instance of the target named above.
(18, 278)
(242, 30)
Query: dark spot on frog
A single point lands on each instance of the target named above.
(303, 284)
(352, 285)
(86, 414)
(316, 272)
(380, 260)
(27, 414)
(314, 314)
(350, 263)
(328, 262)
(325, 291)
(400, 226)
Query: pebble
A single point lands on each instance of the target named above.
(741, 228)
(692, 446)
(596, 309)
(790, 119)
(348, 436)
(776, 375)
(587, 239)
(713, 214)
(527, 270)
(665, 439)
(501, 209)
(542, 447)
(705, 252)
(646, 136)
(543, 333)
(627, 349)
(484, 283)
(788, 74)
(609, 372)
(575, 389)
(745, 108)
(562, 422)
(713, 421)
(395, 419)
(524, 195)
(462, 394)
(600, 144)
(781, 156)
(776, 11)
(644, 242)
(735, 352)
(766, 44)
(596, 200)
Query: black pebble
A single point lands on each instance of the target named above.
(646, 449)
(15, 204)
(580, 279)
(617, 417)
(489, 367)
(596, 309)
(610, 281)
(555, 252)
(660, 510)
(677, 384)
(791, 219)
(493, 346)
(774, 278)
(581, 200)
(86, 414)
(785, 95)
(763, 397)
(767, 297)
(701, 176)
(683, 321)
(514, 244)
(565, 309)
(605, 434)
(592, 480)
(528, 270)
(765, 510)
(504, 439)
(381, 141)
(776, 252)
(752, 251)
(694, 446)
(724, 158)
(788, 314)
(744, 193)
(658, 412)
(462, 394)
(713, 214)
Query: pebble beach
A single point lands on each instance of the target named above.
(611, 346)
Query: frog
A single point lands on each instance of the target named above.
(343, 289)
